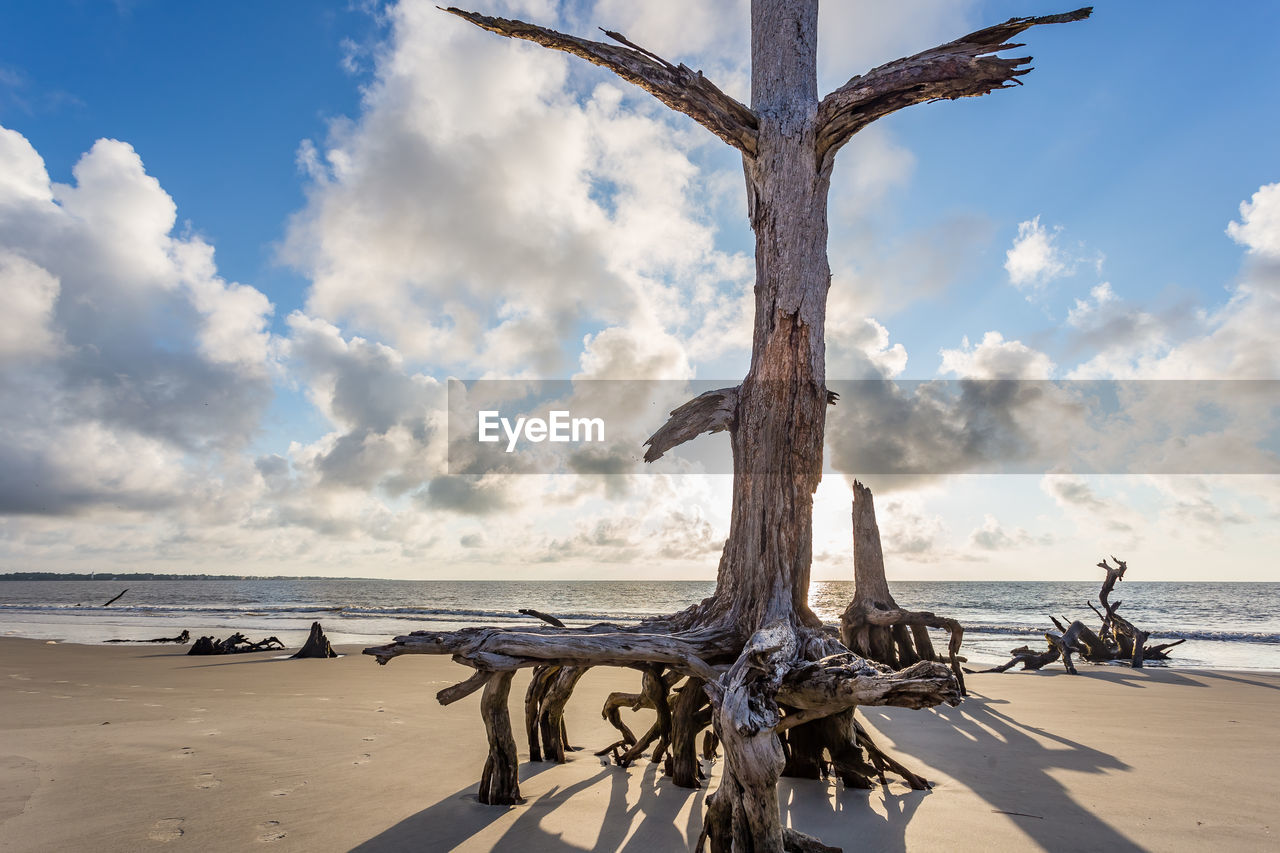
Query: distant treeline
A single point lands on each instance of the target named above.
(154, 576)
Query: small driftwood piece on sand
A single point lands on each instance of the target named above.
(316, 646)
(1117, 640)
(182, 639)
(234, 644)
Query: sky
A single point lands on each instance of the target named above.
(245, 246)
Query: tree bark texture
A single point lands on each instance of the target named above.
(873, 625)
(500, 780)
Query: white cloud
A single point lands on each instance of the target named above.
(994, 536)
(1035, 258)
(388, 419)
(996, 358)
(1259, 225)
(133, 368)
(1235, 340)
(494, 202)
(909, 531)
(1086, 312)
(30, 293)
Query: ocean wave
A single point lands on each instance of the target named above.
(345, 612)
(353, 614)
(1157, 635)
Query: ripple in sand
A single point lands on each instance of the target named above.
(167, 829)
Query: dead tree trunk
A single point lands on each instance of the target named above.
(317, 645)
(873, 625)
(755, 644)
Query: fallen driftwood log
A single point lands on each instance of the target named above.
(117, 598)
(316, 646)
(1118, 640)
(182, 639)
(234, 644)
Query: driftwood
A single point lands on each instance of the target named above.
(500, 779)
(117, 598)
(873, 625)
(316, 646)
(234, 644)
(181, 639)
(538, 614)
(1117, 640)
(764, 662)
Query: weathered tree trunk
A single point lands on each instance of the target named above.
(754, 647)
(873, 625)
(317, 645)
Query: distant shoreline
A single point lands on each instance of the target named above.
(158, 576)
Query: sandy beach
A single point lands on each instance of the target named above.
(138, 748)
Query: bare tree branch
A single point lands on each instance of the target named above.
(963, 68)
(496, 649)
(677, 86)
(711, 412)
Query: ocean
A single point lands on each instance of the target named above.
(1226, 625)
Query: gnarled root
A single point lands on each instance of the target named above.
(544, 703)
(899, 638)
(748, 719)
(744, 703)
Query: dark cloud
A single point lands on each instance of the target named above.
(466, 495)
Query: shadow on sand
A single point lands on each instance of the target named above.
(1008, 764)
(650, 823)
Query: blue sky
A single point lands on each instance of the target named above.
(392, 198)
